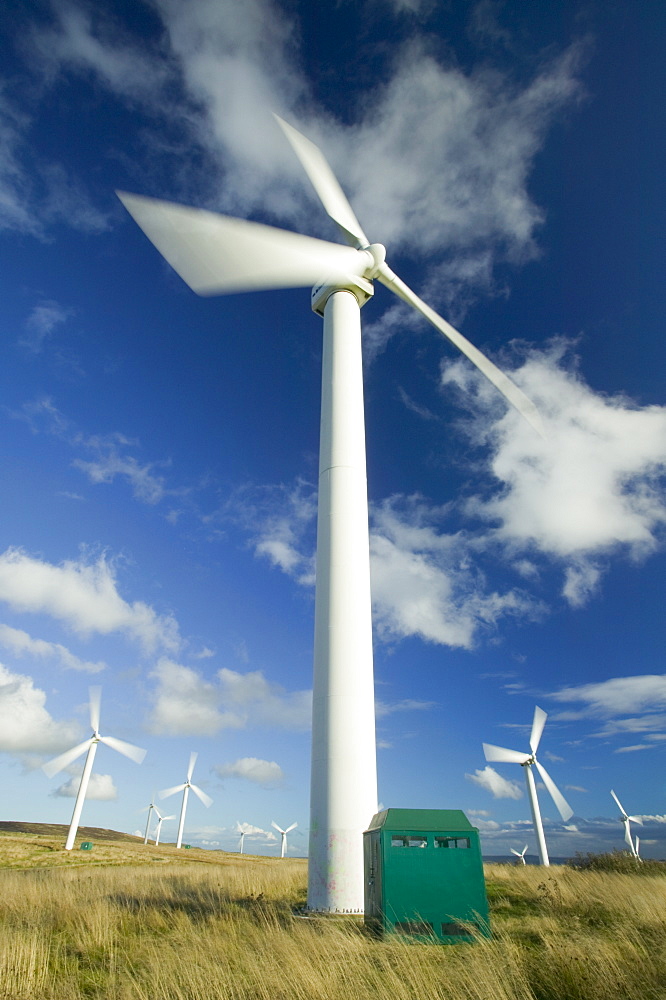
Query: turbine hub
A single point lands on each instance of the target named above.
(378, 254)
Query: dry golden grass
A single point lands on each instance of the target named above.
(228, 929)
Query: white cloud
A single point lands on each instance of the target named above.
(595, 485)
(25, 724)
(186, 703)
(266, 773)
(253, 831)
(494, 783)
(84, 596)
(281, 524)
(100, 787)
(21, 644)
(424, 583)
(218, 70)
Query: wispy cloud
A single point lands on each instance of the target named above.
(43, 320)
(22, 644)
(112, 454)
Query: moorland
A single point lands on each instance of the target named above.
(128, 922)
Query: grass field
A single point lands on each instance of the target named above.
(129, 922)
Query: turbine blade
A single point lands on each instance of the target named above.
(128, 749)
(326, 185)
(290, 828)
(627, 834)
(537, 728)
(65, 759)
(509, 390)
(563, 807)
(215, 254)
(278, 828)
(166, 792)
(619, 804)
(504, 756)
(636, 819)
(206, 799)
(190, 767)
(95, 701)
(517, 853)
(638, 844)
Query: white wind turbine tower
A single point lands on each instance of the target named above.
(216, 254)
(185, 789)
(527, 760)
(283, 835)
(627, 821)
(242, 829)
(160, 819)
(52, 767)
(520, 854)
(150, 813)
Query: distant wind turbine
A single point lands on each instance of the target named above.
(52, 767)
(241, 829)
(283, 834)
(185, 789)
(627, 821)
(527, 760)
(150, 809)
(160, 819)
(520, 854)
(215, 254)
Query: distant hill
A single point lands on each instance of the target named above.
(60, 830)
(42, 845)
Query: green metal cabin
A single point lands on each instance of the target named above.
(424, 874)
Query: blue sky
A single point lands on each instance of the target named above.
(160, 450)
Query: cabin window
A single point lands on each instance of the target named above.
(402, 840)
(413, 927)
(452, 930)
(452, 842)
(418, 841)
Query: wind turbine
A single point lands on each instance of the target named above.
(185, 789)
(504, 756)
(241, 829)
(628, 820)
(520, 854)
(160, 819)
(150, 812)
(52, 767)
(215, 254)
(283, 834)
